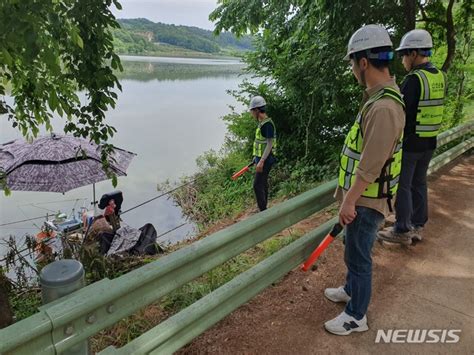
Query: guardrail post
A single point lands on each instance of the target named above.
(59, 279)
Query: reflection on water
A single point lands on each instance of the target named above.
(168, 113)
(161, 69)
(179, 61)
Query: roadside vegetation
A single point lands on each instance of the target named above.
(25, 296)
(310, 91)
(311, 95)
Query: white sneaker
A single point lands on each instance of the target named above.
(337, 294)
(344, 324)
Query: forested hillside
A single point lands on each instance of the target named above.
(142, 36)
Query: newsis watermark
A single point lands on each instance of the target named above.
(418, 336)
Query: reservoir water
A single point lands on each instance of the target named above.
(168, 113)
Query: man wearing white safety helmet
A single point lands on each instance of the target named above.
(370, 164)
(264, 149)
(423, 92)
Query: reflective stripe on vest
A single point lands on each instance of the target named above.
(260, 142)
(386, 185)
(431, 104)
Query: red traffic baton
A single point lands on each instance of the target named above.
(336, 229)
(242, 171)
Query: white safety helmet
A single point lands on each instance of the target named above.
(368, 37)
(416, 39)
(257, 101)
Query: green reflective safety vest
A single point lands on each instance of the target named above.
(431, 105)
(260, 142)
(386, 185)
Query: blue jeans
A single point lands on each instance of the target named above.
(411, 205)
(359, 240)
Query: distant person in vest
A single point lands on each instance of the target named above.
(370, 164)
(423, 92)
(264, 149)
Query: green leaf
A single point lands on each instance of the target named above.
(117, 5)
(80, 42)
(113, 64)
(76, 38)
(53, 100)
(59, 110)
(114, 181)
(7, 57)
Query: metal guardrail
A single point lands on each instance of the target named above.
(65, 322)
(181, 328)
(455, 132)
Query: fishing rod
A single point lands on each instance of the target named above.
(40, 217)
(21, 221)
(161, 195)
(52, 202)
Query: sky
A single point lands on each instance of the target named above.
(178, 12)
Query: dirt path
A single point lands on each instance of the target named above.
(426, 286)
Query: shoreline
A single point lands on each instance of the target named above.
(181, 55)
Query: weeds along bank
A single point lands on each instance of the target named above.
(213, 201)
(312, 98)
(25, 298)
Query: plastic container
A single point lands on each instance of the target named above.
(60, 278)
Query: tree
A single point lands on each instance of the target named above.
(450, 23)
(435, 14)
(50, 50)
(410, 10)
(299, 48)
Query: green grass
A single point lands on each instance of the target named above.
(193, 291)
(25, 304)
(469, 109)
(135, 325)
